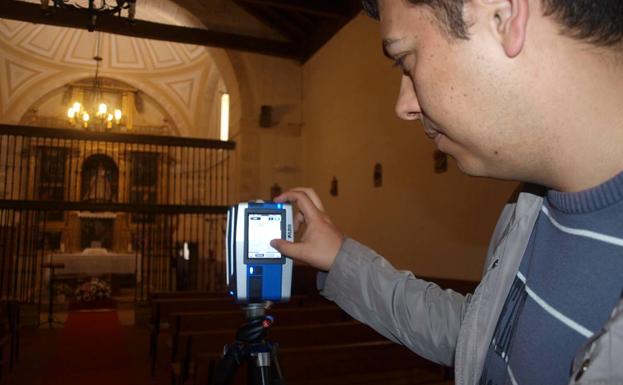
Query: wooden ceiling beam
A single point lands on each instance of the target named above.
(328, 27)
(276, 21)
(324, 8)
(81, 19)
(308, 22)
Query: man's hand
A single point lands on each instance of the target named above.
(321, 240)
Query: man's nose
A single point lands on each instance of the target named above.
(407, 105)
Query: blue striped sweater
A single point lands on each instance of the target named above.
(569, 280)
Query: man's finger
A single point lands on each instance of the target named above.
(289, 249)
(299, 219)
(307, 207)
(312, 196)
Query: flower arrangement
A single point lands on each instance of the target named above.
(93, 289)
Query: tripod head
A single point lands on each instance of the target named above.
(252, 346)
(258, 324)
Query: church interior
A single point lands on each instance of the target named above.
(128, 128)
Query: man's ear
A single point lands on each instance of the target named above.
(509, 23)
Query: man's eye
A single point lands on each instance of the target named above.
(399, 62)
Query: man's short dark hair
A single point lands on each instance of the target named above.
(448, 12)
(597, 21)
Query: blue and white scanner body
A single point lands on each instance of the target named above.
(256, 272)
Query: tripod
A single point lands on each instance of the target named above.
(251, 346)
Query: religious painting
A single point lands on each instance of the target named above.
(143, 182)
(96, 233)
(51, 162)
(52, 240)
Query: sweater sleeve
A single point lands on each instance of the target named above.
(407, 310)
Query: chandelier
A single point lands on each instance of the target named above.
(97, 115)
(104, 8)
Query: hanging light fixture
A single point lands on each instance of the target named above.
(93, 10)
(98, 115)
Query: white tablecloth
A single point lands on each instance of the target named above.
(94, 263)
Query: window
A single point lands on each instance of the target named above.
(225, 117)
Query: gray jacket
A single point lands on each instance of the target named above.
(447, 327)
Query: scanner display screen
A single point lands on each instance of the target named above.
(263, 228)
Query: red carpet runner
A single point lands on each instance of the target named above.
(91, 350)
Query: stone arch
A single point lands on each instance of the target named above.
(54, 85)
(47, 76)
(57, 80)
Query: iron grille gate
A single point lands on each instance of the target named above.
(157, 204)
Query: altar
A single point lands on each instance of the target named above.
(95, 262)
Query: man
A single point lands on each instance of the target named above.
(526, 90)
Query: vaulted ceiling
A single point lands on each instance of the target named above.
(37, 58)
(166, 53)
(287, 28)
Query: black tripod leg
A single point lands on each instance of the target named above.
(276, 367)
(264, 375)
(227, 366)
(260, 369)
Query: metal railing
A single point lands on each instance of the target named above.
(161, 200)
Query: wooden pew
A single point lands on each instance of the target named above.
(5, 336)
(335, 363)
(13, 310)
(192, 344)
(163, 307)
(185, 294)
(192, 322)
(9, 333)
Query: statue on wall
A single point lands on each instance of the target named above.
(99, 186)
(100, 179)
